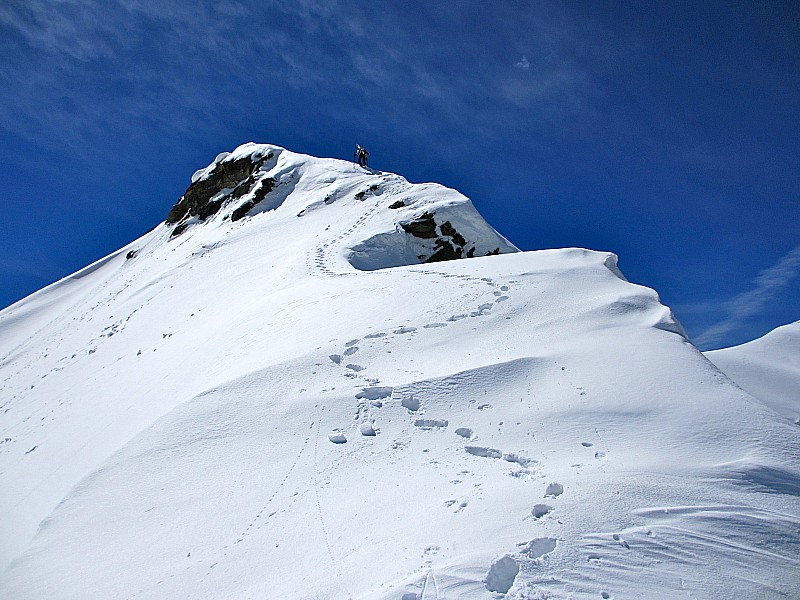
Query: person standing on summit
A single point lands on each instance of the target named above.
(362, 155)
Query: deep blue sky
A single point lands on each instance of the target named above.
(667, 132)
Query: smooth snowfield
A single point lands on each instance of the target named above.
(768, 368)
(239, 412)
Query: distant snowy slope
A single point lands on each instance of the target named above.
(292, 390)
(768, 368)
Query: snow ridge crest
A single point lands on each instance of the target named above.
(386, 220)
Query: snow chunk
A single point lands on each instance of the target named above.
(374, 393)
(539, 547)
(523, 461)
(554, 489)
(411, 403)
(367, 429)
(501, 575)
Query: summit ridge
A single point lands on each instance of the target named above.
(422, 223)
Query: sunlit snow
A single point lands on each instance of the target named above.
(291, 406)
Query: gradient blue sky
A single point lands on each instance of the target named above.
(667, 132)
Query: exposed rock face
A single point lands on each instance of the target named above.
(179, 229)
(446, 251)
(373, 189)
(450, 231)
(449, 244)
(265, 186)
(197, 201)
(422, 227)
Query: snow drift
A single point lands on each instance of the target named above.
(768, 368)
(277, 394)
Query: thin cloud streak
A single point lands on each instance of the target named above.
(748, 304)
(84, 45)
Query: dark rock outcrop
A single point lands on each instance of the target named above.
(265, 186)
(448, 230)
(179, 229)
(423, 227)
(449, 243)
(196, 200)
(398, 204)
(371, 191)
(445, 251)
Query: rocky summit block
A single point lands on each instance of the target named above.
(236, 174)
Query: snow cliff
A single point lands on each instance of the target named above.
(277, 394)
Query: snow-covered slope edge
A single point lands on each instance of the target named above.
(236, 411)
(768, 368)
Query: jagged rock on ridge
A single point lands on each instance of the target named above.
(265, 186)
(197, 199)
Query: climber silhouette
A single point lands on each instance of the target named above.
(361, 155)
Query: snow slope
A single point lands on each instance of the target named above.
(768, 368)
(289, 405)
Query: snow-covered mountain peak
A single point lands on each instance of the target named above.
(289, 399)
(403, 223)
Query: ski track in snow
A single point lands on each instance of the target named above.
(430, 580)
(279, 487)
(315, 476)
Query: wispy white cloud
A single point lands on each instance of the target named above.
(78, 69)
(739, 309)
(523, 63)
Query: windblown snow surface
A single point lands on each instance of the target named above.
(768, 368)
(239, 412)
